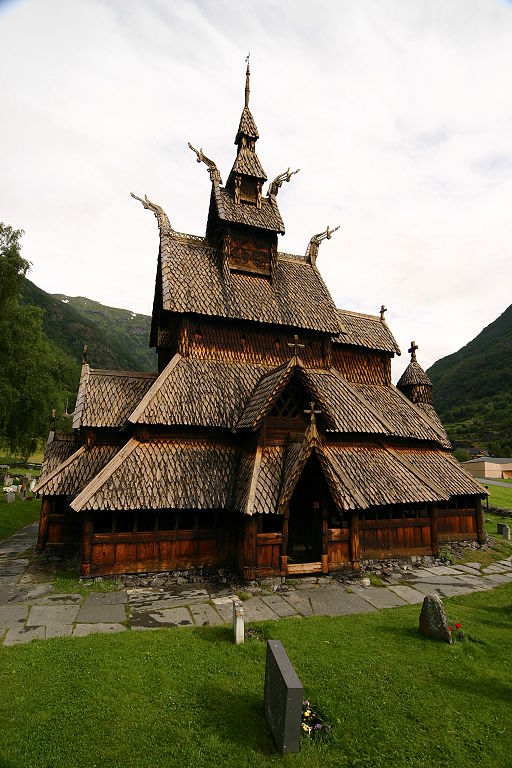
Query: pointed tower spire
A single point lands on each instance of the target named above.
(247, 84)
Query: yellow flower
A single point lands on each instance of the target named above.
(307, 713)
(304, 727)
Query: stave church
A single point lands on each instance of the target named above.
(272, 440)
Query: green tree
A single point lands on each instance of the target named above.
(461, 454)
(30, 369)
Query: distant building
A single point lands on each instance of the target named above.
(488, 466)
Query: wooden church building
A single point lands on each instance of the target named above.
(272, 439)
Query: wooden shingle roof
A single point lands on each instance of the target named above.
(193, 282)
(59, 447)
(414, 374)
(106, 398)
(198, 392)
(247, 126)
(163, 474)
(267, 217)
(77, 470)
(365, 331)
(248, 163)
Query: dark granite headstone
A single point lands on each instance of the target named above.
(283, 698)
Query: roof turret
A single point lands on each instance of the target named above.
(414, 382)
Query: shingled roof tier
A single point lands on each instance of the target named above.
(365, 331)
(76, 470)
(59, 447)
(247, 126)
(163, 474)
(198, 392)
(193, 282)
(248, 163)
(106, 398)
(267, 217)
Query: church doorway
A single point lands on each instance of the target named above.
(307, 511)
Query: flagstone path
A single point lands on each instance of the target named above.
(30, 608)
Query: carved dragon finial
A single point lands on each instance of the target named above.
(314, 243)
(278, 181)
(164, 225)
(212, 168)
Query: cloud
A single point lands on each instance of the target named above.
(397, 114)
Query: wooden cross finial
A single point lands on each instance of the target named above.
(383, 309)
(312, 410)
(84, 355)
(52, 421)
(412, 349)
(296, 346)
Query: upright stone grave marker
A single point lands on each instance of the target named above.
(238, 623)
(506, 532)
(283, 698)
(433, 622)
(10, 497)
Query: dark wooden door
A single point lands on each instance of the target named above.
(305, 521)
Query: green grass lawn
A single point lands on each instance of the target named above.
(15, 516)
(499, 496)
(189, 697)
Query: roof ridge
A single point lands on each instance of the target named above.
(154, 388)
(254, 480)
(133, 374)
(361, 314)
(103, 475)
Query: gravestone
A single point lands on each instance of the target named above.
(283, 698)
(499, 528)
(238, 623)
(433, 622)
(10, 497)
(506, 532)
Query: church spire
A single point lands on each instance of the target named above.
(247, 84)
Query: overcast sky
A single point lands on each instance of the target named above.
(399, 115)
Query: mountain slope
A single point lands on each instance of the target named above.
(116, 338)
(473, 388)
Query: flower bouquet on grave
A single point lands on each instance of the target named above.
(312, 724)
(456, 633)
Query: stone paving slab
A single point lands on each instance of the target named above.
(95, 613)
(451, 590)
(442, 570)
(340, 604)
(224, 607)
(64, 598)
(173, 617)
(41, 615)
(379, 597)
(19, 634)
(410, 595)
(58, 630)
(499, 578)
(82, 630)
(256, 610)
(204, 615)
(13, 614)
(299, 601)
(279, 606)
(467, 569)
(119, 597)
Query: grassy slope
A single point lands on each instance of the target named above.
(191, 698)
(473, 387)
(500, 497)
(115, 339)
(16, 515)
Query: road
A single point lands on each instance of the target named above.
(487, 481)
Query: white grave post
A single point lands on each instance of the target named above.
(506, 532)
(238, 623)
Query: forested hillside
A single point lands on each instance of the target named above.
(116, 338)
(473, 389)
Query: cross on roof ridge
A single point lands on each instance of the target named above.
(295, 344)
(412, 349)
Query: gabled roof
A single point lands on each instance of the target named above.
(73, 473)
(193, 282)
(267, 217)
(365, 331)
(157, 475)
(59, 447)
(259, 480)
(198, 392)
(106, 398)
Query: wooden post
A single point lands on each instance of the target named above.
(44, 524)
(87, 530)
(250, 549)
(354, 540)
(433, 529)
(480, 530)
(283, 560)
(325, 540)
